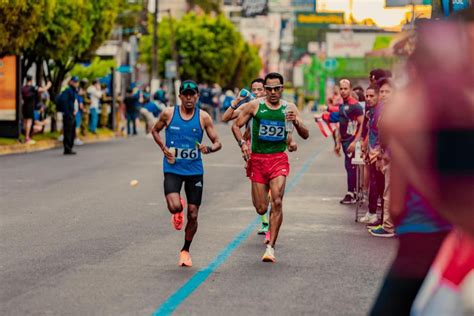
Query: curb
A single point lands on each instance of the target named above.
(43, 145)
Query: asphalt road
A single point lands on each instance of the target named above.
(77, 239)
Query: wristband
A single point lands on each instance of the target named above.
(209, 149)
(233, 107)
(241, 143)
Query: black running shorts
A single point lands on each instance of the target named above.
(192, 186)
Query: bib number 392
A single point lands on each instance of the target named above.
(273, 131)
(187, 153)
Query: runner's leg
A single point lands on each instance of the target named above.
(260, 197)
(277, 187)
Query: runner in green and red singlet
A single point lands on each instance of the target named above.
(268, 161)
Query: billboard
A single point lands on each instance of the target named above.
(307, 19)
(350, 44)
(8, 88)
(403, 3)
(251, 8)
(304, 5)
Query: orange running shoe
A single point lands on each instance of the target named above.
(177, 220)
(185, 259)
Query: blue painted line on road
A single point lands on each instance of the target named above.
(181, 294)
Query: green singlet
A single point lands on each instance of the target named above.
(268, 130)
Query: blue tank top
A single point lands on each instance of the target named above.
(183, 135)
(420, 217)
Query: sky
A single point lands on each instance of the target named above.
(362, 9)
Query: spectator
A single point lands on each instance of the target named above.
(150, 112)
(161, 95)
(95, 95)
(70, 107)
(30, 95)
(131, 111)
(81, 110)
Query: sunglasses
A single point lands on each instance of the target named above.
(273, 88)
(189, 85)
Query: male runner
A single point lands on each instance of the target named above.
(351, 117)
(268, 160)
(182, 162)
(258, 89)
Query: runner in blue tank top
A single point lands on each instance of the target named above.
(185, 126)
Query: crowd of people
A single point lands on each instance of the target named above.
(406, 135)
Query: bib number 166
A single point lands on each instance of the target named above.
(187, 153)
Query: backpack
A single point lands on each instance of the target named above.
(60, 101)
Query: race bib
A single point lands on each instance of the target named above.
(187, 153)
(273, 131)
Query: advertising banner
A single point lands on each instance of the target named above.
(8, 88)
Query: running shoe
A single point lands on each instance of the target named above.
(185, 259)
(178, 219)
(263, 229)
(369, 218)
(373, 226)
(269, 255)
(381, 232)
(348, 199)
(267, 238)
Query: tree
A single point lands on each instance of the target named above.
(22, 22)
(210, 48)
(98, 68)
(248, 67)
(207, 6)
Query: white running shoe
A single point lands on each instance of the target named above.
(369, 218)
(269, 255)
(78, 142)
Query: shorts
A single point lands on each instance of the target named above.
(192, 186)
(28, 110)
(265, 167)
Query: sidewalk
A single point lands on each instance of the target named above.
(49, 141)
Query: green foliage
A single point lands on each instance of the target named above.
(207, 5)
(21, 23)
(97, 69)
(249, 66)
(129, 14)
(102, 20)
(211, 50)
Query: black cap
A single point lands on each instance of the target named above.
(188, 85)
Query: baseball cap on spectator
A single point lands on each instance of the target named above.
(75, 78)
(188, 85)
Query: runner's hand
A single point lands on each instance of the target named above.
(169, 155)
(245, 152)
(290, 116)
(337, 150)
(293, 146)
(205, 149)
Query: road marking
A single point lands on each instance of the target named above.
(181, 294)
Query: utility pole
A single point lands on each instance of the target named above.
(154, 68)
(174, 51)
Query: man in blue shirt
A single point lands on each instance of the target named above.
(69, 115)
(182, 162)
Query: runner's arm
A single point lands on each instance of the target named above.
(294, 115)
(233, 111)
(244, 116)
(160, 124)
(211, 133)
